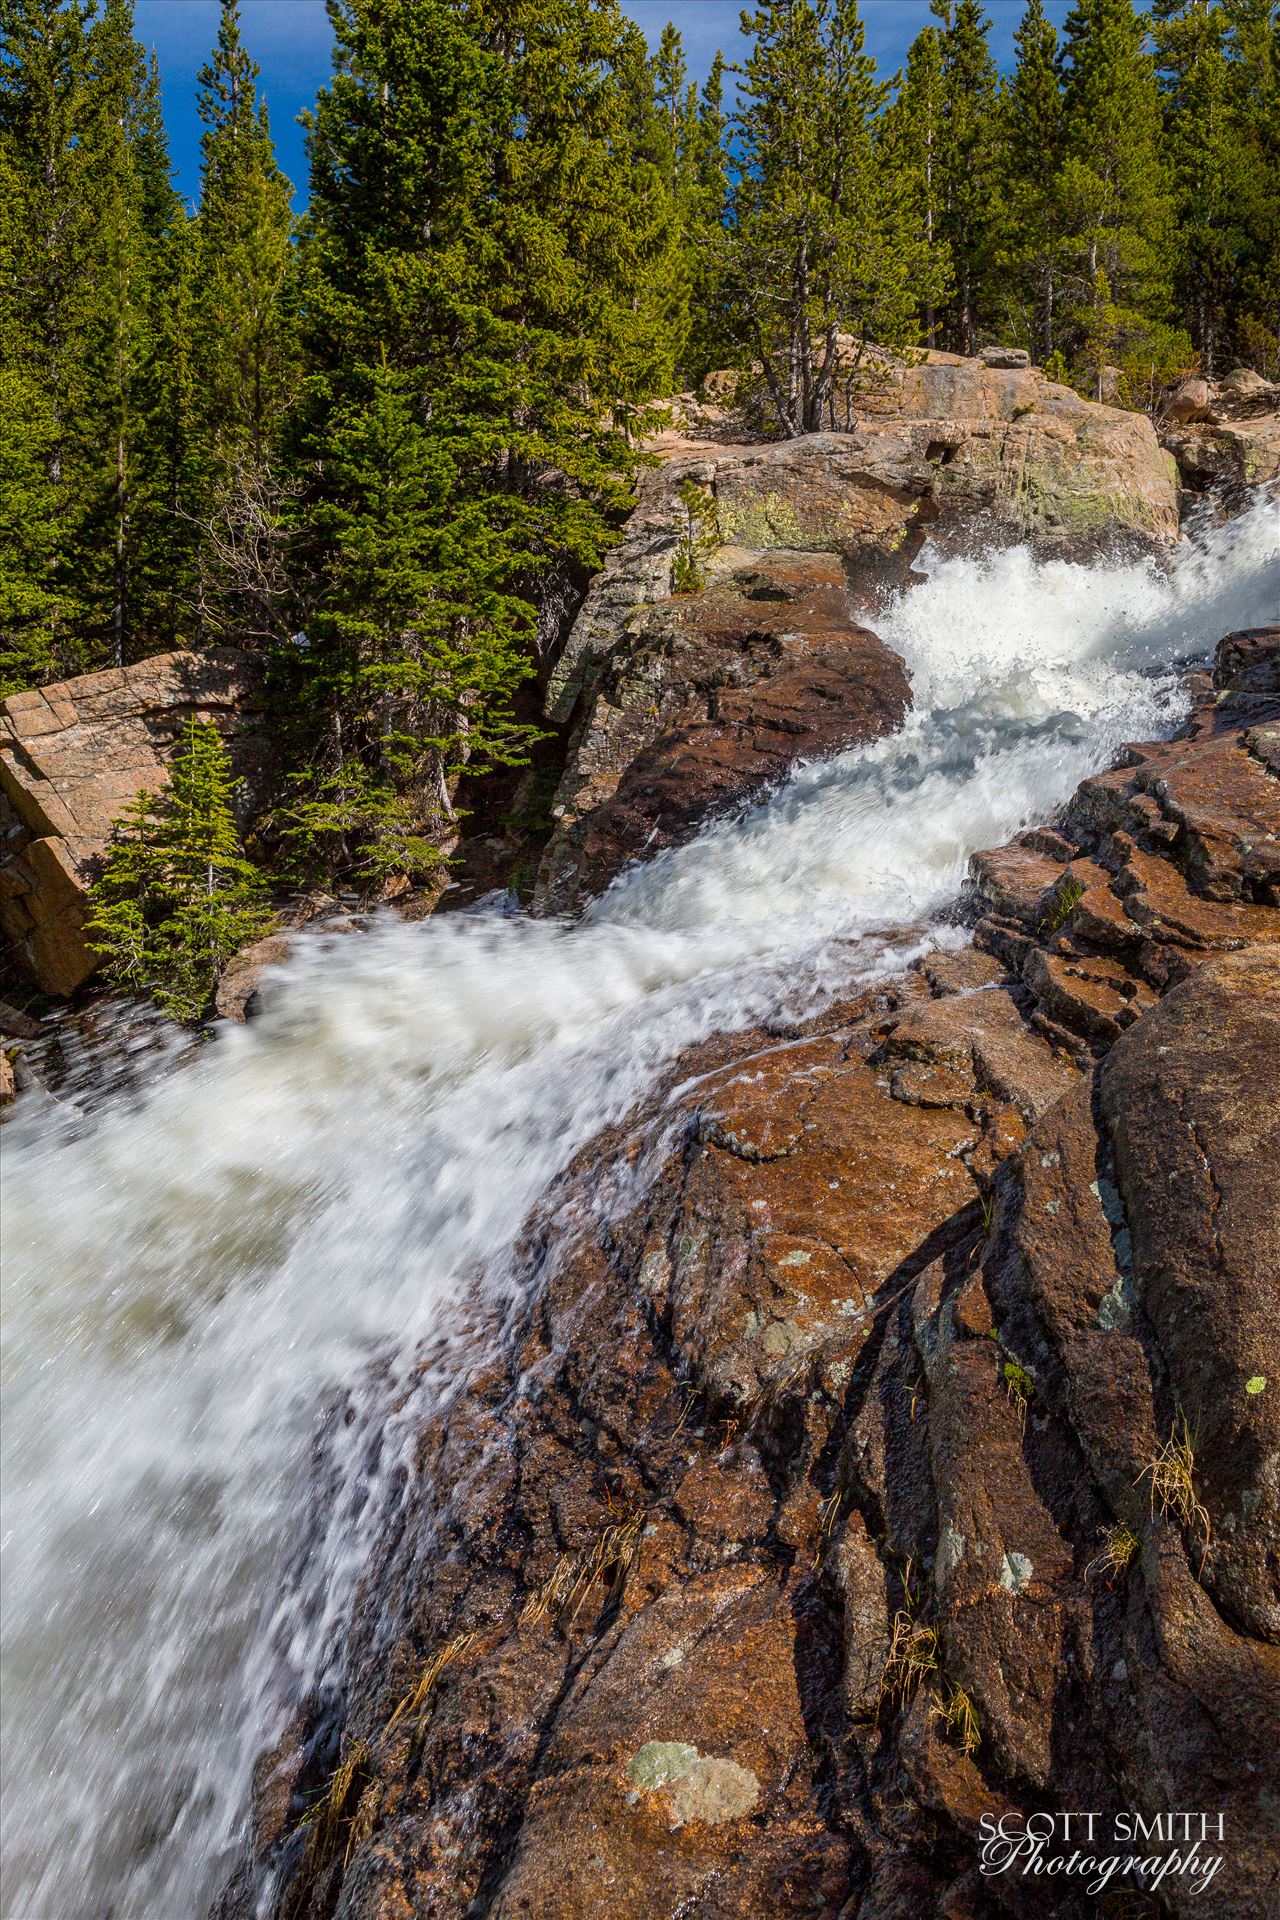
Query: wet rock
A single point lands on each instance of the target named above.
(944, 445)
(878, 1444)
(714, 698)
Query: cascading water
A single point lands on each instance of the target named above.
(197, 1278)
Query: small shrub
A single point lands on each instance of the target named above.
(1066, 898)
(1020, 1385)
(348, 826)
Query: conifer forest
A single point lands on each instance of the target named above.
(386, 442)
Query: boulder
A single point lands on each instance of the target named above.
(1005, 357)
(713, 698)
(72, 757)
(1229, 441)
(1189, 400)
(884, 1438)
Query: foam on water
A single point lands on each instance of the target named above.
(194, 1280)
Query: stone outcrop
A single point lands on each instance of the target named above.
(72, 756)
(714, 698)
(889, 1439)
(1225, 436)
(943, 446)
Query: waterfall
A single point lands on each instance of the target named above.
(200, 1278)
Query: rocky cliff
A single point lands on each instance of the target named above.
(890, 1440)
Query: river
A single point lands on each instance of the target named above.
(211, 1280)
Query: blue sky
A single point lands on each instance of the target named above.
(290, 41)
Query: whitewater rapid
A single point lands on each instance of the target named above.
(198, 1279)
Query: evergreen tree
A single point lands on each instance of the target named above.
(480, 236)
(29, 600)
(1033, 138)
(914, 135)
(120, 134)
(1115, 191)
(85, 208)
(241, 334)
(177, 899)
(1253, 91)
(243, 242)
(705, 215)
(1209, 165)
(821, 246)
(969, 160)
(46, 283)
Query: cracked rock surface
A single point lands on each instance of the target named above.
(826, 1498)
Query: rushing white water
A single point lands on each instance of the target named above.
(195, 1279)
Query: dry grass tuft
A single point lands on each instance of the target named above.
(960, 1718)
(1172, 1476)
(1120, 1546)
(912, 1656)
(331, 1822)
(615, 1551)
(443, 1657)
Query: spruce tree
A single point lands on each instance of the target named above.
(243, 245)
(177, 899)
(705, 214)
(1032, 158)
(912, 146)
(47, 235)
(969, 160)
(821, 245)
(480, 237)
(29, 597)
(1253, 92)
(242, 337)
(1209, 164)
(1116, 196)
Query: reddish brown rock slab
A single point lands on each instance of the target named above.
(1193, 1102)
(716, 697)
(863, 1336)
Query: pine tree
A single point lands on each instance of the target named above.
(86, 206)
(821, 246)
(116, 340)
(1209, 167)
(242, 337)
(969, 156)
(479, 244)
(177, 899)
(1253, 92)
(1115, 190)
(29, 600)
(912, 145)
(46, 279)
(1032, 158)
(243, 241)
(708, 343)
